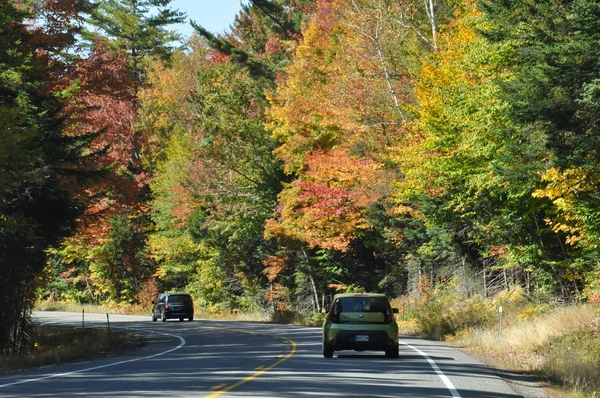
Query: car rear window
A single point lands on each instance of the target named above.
(180, 299)
(363, 304)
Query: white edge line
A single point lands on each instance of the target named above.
(181, 344)
(437, 370)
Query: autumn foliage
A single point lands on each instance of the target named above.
(317, 144)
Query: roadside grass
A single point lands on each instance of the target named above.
(52, 345)
(290, 318)
(558, 344)
(561, 346)
(141, 310)
(92, 309)
(57, 344)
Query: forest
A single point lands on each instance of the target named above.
(317, 146)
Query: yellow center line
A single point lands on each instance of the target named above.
(223, 388)
(263, 370)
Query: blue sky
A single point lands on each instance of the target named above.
(213, 15)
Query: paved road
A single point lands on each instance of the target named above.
(235, 359)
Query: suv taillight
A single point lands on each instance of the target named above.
(389, 315)
(335, 314)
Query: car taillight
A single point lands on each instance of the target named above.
(335, 318)
(389, 315)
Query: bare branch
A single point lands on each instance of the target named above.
(374, 38)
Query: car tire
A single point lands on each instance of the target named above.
(327, 351)
(153, 317)
(392, 352)
(191, 318)
(163, 316)
(181, 319)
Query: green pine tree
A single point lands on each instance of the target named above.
(138, 27)
(36, 160)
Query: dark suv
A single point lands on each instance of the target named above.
(173, 305)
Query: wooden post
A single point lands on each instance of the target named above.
(485, 293)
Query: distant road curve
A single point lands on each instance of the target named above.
(242, 359)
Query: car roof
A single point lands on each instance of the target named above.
(342, 295)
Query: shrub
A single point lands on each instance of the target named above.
(297, 318)
(314, 320)
(283, 317)
(447, 312)
(433, 316)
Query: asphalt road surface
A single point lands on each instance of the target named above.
(242, 359)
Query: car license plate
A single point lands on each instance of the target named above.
(360, 337)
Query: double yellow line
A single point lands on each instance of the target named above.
(223, 388)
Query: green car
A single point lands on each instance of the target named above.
(360, 322)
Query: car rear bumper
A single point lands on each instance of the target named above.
(178, 314)
(360, 340)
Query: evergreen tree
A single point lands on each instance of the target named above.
(37, 162)
(263, 35)
(137, 26)
(554, 106)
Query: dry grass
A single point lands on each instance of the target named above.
(199, 313)
(532, 333)
(231, 316)
(52, 345)
(91, 308)
(538, 331)
(562, 346)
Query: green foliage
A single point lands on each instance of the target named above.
(263, 36)
(139, 26)
(315, 320)
(67, 275)
(550, 97)
(120, 265)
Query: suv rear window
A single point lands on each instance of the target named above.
(180, 299)
(363, 304)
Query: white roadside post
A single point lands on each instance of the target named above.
(499, 324)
